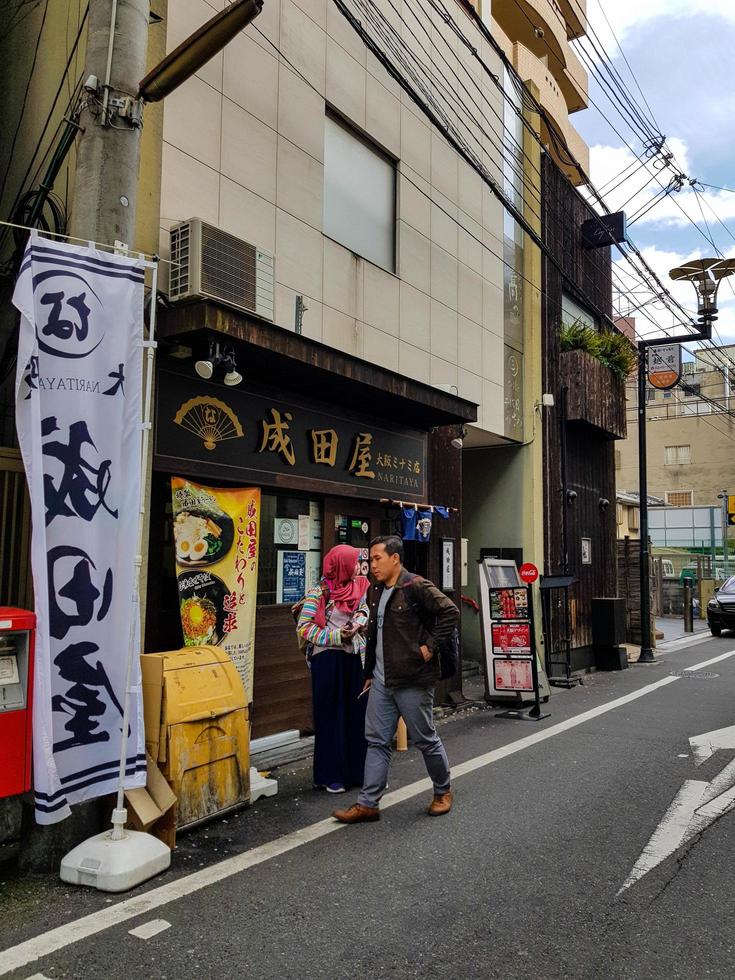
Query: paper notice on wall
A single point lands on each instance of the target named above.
(304, 532)
(313, 567)
(290, 576)
(315, 535)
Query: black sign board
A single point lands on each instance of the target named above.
(608, 229)
(259, 434)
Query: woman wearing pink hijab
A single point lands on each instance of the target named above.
(332, 621)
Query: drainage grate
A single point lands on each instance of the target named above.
(694, 675)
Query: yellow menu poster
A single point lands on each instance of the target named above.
(216, 540)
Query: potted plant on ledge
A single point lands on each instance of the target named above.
(594, 366)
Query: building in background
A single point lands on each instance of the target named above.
(690, 434)
(536, 36)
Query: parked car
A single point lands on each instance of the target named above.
(721, 608)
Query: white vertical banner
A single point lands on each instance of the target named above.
(78, 415)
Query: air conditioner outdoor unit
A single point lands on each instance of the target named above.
(211, 263)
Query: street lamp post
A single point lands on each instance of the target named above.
(705, 275)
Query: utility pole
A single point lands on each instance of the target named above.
(725, 520)
(108, 152)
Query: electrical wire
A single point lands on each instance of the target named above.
(31, 72)
(71, 57)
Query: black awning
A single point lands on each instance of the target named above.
(268, 353)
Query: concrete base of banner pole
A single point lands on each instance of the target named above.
(260, 786)
(116, 860)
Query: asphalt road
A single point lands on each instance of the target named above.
(520, 880)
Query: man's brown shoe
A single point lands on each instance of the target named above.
(442, 803)
(357, 813)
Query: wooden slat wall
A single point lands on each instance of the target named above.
(594, 394)
(282, 683)
(590, 451)
(16, 582)
(629, 586)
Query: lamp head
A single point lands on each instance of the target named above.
(458, 441)
(205, 369)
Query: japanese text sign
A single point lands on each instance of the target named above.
(664, 365)
(254, 434)
(78, 415)
(216, 534)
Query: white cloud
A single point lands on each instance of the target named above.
(655, 318)
(626, 15)
(680, 208)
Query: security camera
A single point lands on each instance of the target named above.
(92, 85)
(604, 503)
(571, 496)
(539, 33)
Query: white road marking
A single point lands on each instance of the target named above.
(670, 833)
(671, 646)
(703, 746)
(150, 929)
(38, 976)
(718, 806)
(106, 918)
(714, 660)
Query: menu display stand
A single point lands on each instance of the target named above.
(509, 639)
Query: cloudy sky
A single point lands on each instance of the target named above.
(680, 52)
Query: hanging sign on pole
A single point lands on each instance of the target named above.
(79, 421)
(664, 366)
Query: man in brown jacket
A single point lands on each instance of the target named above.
(402, 667)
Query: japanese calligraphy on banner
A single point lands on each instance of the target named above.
(216, 539)
(78, 415)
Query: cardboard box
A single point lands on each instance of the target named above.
(149, 803)
(151, 668)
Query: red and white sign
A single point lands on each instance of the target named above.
(513, 638)
(664, 366)
(528, 572)
(513, 675)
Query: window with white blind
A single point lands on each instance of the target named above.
(359, 194)
(678, 455)
(679, 498)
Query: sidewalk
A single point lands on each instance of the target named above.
(672, 628)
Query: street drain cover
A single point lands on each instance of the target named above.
(694, 675)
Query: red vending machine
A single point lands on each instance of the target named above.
(17, 640)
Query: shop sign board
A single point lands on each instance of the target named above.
(448, 564)
(257, 435)
(664, 366)
(216, 536)
(528, 572)
(512, 667)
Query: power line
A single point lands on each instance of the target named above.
(25, 99)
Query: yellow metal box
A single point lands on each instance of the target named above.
(196, 719)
